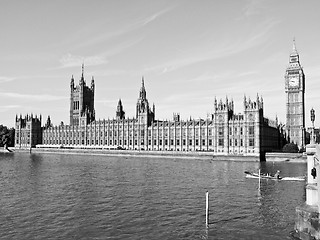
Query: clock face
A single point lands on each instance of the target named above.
(293, 82)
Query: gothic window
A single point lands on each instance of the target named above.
(203, 131)
(251, 130)
(178, 132)
(221, 131)
(251, 142)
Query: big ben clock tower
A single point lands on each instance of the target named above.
(295, 88)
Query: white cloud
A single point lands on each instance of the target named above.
(6, 79)
(154, 17)
(8, 107)
(216, 51)
(42, 97)
(70, 60)
(254, 7)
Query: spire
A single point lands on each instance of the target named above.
(72, 82)
(120, 114)
(294, 48)
(294, 45)
(82, 69)
(92, 83)
(82, 73)
(294, 56)
(143, 93)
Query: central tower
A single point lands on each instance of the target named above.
(295, 106)
(144, 114)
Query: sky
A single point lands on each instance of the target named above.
(189, 53)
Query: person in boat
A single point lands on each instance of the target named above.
(277, 175)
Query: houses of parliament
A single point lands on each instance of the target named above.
(223, 133)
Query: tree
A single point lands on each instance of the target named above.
(6, 136)
(290, 148)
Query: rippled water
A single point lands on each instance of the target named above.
(53, 196)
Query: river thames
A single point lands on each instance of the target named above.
(56, 196)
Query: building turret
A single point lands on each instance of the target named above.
(120, 114)
(48, 123)
(28, 132)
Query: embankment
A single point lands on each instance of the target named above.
(286, 157)
(151, 154)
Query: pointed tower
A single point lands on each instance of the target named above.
(82, 101)
(295, 103)
(144, 113)
(120, 114)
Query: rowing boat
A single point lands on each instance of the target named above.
(262, 176)
(267, 176)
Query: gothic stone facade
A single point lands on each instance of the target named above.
(223, 133)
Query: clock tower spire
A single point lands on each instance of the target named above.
(295, 105)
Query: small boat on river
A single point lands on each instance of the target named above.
(262, 176)
(267, 176)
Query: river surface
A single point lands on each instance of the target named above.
(56, 196)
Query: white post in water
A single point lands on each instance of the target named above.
(259, 177)
(207, 209)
